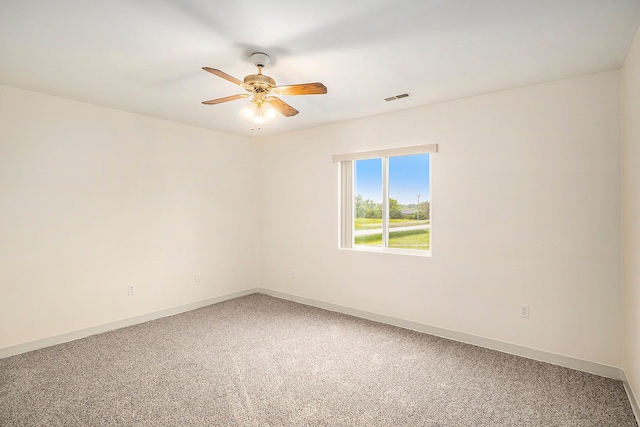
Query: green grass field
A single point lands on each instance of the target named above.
(373, 223)
(410, 239)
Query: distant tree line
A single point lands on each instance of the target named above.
(370, 209)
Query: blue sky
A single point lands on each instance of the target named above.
(408, 176)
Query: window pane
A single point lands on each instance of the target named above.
(367, 206)
(409, 202)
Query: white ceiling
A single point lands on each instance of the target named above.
(145, 56)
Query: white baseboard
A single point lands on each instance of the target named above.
(632, 398)
(505, 347)
(98, 329)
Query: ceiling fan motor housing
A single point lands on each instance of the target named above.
(260, 81)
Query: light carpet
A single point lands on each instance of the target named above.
(262, 361)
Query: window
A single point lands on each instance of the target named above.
(386, 200)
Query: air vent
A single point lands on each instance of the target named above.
(393, 98)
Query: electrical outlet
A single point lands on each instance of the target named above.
(524, 311)
(293, 273)
(196, 277)
(131, 290)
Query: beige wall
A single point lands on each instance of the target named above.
(94, 199)
(526, 210)
(631, 213)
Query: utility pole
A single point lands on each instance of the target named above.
(418, 209)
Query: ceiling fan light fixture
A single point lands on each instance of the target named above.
(247, 113)
(270, 113)
(258, 112)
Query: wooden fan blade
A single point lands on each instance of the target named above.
(301, 89)
(282, 107)
(225, 99)
(225, 76)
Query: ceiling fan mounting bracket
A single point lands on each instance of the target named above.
(260, 59)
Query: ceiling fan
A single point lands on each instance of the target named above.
(263, 89)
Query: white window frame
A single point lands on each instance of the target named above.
(346, 183)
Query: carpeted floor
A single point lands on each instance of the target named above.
(262, 361)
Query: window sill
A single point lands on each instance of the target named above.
(380, 250)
